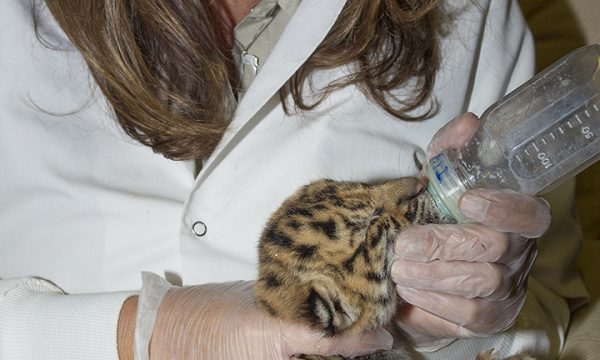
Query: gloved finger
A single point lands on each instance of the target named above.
(453, 135)
(466, 242)
(480, 316)
(460, 278)
(302, 340)
(467, 279)
(426, 329)
(507, 211)
(448, 242)
(522, 264)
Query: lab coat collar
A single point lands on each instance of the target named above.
(306, 30)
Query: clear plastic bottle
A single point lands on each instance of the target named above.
(542, 133)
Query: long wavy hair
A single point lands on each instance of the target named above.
(166, 67)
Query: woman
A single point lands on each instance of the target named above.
(87, 208)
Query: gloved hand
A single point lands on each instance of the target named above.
(467, 280)
(222, 321)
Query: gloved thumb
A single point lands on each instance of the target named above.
(453, 135)
(302, 340)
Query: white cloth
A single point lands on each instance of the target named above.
(87, 208)
(37, 322)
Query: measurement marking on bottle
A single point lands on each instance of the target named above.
(587, 132)
(596, 107)
(543, 141)
(570, 125)
(587, 113)
(553, 136)
(578, 119)
(519, 158)
(526, 152)
(560, 130)
(537, 149)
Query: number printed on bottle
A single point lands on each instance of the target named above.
(545, 160)
(587, 132)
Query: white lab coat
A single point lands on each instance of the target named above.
(87, 208)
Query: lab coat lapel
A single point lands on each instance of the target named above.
(307, 28)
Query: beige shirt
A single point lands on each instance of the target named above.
(256, 35)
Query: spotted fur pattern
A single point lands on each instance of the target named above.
(325, 254)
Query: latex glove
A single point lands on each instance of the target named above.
(222, 321)
(467, 280)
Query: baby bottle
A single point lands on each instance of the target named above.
(544, 132)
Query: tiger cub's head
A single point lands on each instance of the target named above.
(325, 254)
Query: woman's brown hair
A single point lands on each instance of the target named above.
(165, 65)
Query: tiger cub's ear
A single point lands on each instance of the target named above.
(329, 308)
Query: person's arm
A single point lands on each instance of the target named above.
(213, 321)
(222, 321)
(126, 328)
(541, 324)
(38, 321)
(468, 280)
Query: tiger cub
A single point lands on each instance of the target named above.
(325, 254)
